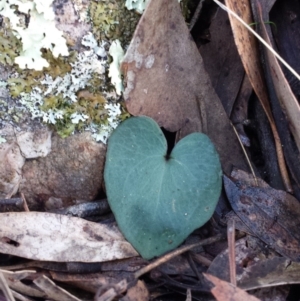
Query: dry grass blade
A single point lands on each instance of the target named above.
(21, 297)
(53, 291)
(230, 12)
(248, 50)
(5, 288)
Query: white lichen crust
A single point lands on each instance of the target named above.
(41, 31)
(117, 53)
(138, 5)
(70, 88)
(86, 65)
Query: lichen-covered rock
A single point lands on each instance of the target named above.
(72, 171)
(66, 83)
(34, 144)
(17, 145)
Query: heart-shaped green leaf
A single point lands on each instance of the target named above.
(158, 200)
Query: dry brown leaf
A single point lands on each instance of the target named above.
(42, 286)
(138, 292)
(224, 291)
(272, 215)
(246, 254)
(112, 291)
(54, 237)
(17, 281)
(222, 61)
(286, 97)
(53, 291)
(167, 81)
(251, 267)
(248, 50)
(281, 271)
(161, 67)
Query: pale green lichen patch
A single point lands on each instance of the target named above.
(10, 47)
(117, 53)
(24, 79)
(70, 93)
(71, 102)
(138, 5)
(41, 31)
(2, 140)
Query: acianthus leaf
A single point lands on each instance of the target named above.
(159, 199)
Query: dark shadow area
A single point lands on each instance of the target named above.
(170, 137)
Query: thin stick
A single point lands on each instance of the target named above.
(175, 253)
(25, 206)
(259, 38)
(245, 153)
(231, 250)
(196, 15)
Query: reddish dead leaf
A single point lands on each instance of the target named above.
(224, 291)
(248, 50)
(272, 215)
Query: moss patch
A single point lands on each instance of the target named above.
(112, 20)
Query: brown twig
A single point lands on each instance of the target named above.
(25, 206)
(231, 250)
(175, 253)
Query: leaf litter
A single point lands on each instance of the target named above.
(165, 79)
